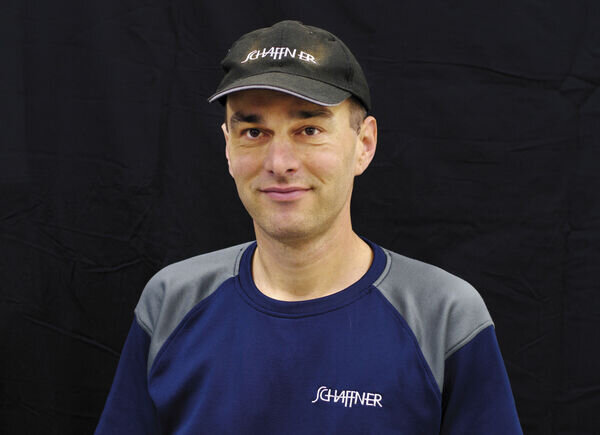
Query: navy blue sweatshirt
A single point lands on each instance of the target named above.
(407, 349)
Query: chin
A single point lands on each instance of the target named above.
(286, 231)
(286, 234)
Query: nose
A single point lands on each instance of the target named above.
(281, 158)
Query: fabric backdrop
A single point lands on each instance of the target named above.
(112, 166)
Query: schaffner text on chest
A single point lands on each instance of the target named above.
(278, 53)
(348, 397)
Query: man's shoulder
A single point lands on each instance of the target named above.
(174, 290)
(221, 262)
(194, 277)
(443, 311)
(408, 278)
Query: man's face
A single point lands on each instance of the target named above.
(294, 162)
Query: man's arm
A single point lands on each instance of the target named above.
(129, 408)
(477, 398)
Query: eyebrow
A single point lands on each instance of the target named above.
(238, 117)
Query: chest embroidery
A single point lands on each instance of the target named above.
(348, 398)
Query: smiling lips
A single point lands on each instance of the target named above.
(288, 193)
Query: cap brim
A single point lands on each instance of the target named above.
(308, 89)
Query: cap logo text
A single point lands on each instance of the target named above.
(278, 53)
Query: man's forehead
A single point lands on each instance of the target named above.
(256, 100)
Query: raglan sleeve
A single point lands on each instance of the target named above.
(129, 409)
(477, 397)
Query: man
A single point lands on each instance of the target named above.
(310, 329)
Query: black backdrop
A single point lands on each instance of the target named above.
(112, 166)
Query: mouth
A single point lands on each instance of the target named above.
(288, 193)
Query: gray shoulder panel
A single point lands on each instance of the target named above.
(443, 311)
(176, 289)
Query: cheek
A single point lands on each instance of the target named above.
(321, 164)
(332, 160)
(243, 166)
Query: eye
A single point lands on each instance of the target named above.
(311, 131)
(252, 133)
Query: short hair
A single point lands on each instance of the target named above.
(358, 113)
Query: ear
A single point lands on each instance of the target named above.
(226, 136)
(367, 142)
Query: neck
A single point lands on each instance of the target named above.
(308, 269)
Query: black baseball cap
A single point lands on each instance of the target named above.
(304, 61)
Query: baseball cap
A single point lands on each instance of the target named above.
(304, 61)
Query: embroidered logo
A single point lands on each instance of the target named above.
(348, 397)
(278, 53)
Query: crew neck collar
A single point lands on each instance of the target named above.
(310, 306)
